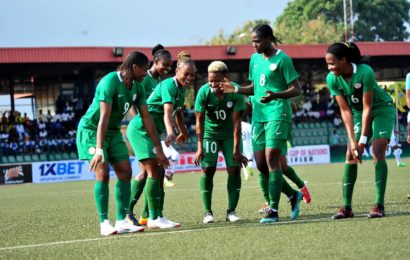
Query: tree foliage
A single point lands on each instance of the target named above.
(239, 36)
(375, 20)
(321, 21)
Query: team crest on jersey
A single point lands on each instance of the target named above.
(357, 85)
(273, 67)
(134, 97)
(91, 150)
(229, 104)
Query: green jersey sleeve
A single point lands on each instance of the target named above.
(330, 80)
(200, 100)
(288, 70)
(106, 89)
(369, 81)
(140, 98)
(168, 93)
(250, 77)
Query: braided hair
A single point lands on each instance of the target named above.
(264, 31)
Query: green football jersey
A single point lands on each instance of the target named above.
(363, 80)
(111, 90)
(167, 91)
(149, 84)
(273, 74)
(218, 112)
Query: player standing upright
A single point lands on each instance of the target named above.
(218, 127)
(273, 83)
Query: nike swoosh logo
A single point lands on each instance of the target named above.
(380, 133)
(120, 95)
(278, 133)
(346, 184)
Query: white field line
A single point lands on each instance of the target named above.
(143, 235)
(222, 186)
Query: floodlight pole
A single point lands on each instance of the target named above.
(348, 20)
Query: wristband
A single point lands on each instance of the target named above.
(363, 139)
(99, 151)
(236, 89)
(408, 117)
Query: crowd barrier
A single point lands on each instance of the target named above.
(76, 170)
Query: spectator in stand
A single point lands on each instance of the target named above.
(41, 116)
(12, 118)
(337, 121)
(4, 119)
(49, 116)
(60, 105)
(334, 138)
(20, 130)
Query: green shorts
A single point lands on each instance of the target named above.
(272, 134)
(382, 123)
(114, 146)
(139, 139)
(212, 147)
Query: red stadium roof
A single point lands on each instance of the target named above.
(243, 52)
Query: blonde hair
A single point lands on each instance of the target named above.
(217, 66)
(184, 58)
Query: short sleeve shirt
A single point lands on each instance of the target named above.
(273, 74)
(149, 84)
(111, 90)
(363, 80)
(218, 112)
(167, 91)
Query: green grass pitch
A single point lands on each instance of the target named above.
(60, 221)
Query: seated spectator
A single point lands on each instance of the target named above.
(20, 131)
(334, 138)
(49, 116)
(337, 121)
(4, 119)
(41, 116)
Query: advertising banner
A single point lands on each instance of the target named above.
(311, 154)
(338, 152)
(73, 170)
(15, 173)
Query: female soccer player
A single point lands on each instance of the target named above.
(367, 112)
(99, 139)
(218, 127)
(408, 113)
(274, 83)
(166, 100)
(162, 64)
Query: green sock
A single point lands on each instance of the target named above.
(161, 204)
(137, 187)
(206, 185)
(381, 181)
(153, 191)
(291, 174)
(287, 189)
(264, 186)
(348, 181)
(145, 212)
(122, 197)
(234, 189)
(101, 196)
(275, 188)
